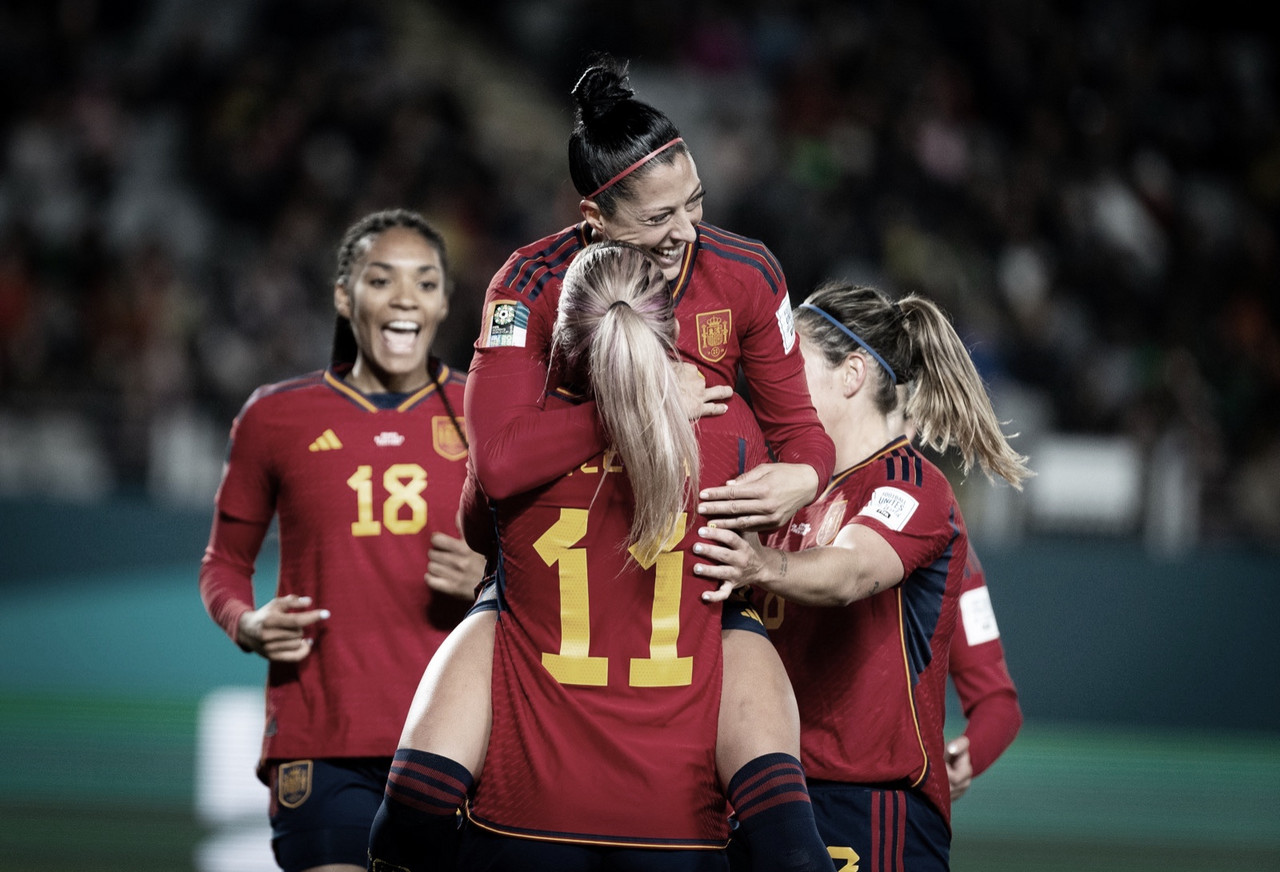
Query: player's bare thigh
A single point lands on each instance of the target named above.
(451, 714)
(758, 713)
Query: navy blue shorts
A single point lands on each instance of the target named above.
(485, 851)
(875, 830)
(740, 614)
(321, 810)
(487, 598)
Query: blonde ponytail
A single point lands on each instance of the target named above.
(615, 330)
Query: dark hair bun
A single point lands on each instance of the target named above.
(602, 87)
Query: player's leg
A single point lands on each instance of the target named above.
(758, 754)
(441, 753)
(321, 811)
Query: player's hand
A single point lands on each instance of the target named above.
(700, 401)
(737, 561)
(959, 766)
(763, 498)
(453, 568)
(277, 630)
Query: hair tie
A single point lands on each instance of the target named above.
(635, 166)
(893, 376)
(616, 303)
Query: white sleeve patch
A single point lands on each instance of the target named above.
(978, 616)
(891, 507)
(786, 325)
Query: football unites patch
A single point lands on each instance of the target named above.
(506, 323)
(891, 507)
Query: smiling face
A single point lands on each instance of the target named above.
(395, 300)
(660, 214)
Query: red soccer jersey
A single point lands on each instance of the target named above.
(732, 305)
(978, 670)
(606, 679)
(870, 678)
(357, 491)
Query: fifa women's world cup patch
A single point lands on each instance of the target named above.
(714, 329)
(293, 783)
(891, 507)
(505, 323)
(446, 439)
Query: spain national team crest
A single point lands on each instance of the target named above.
(293, 783)
(713, 334)
(832, 523)
(446, 439)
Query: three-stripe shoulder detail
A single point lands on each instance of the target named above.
(529, 274)
(741, 249)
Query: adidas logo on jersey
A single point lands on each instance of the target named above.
(801, 528)
(388, 438)
(326, 441)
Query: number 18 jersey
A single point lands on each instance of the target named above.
(357, 491)
(606, 678)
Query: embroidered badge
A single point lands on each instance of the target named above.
(832, 523)
(506, 323)
(293, 784)
(713, 334)
(445, 438)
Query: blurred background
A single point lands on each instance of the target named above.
(1090, 189)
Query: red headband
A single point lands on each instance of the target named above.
(635, 166)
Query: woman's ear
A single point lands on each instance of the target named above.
(342, 300)
(592, 215)
(853, 374)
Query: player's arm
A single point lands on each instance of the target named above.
(226, 571)
(986, 690)
(856, 565)
(276, 630)
(516, 443)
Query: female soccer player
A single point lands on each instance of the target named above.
(606, 661)
(363, 465)
(639, 185)
(860, 591)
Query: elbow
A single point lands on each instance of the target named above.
(497, 480)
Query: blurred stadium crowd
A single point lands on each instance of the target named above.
(1089, 188)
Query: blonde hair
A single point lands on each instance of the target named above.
(914, 344)
(615, 333)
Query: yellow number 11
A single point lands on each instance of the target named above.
(574, 664)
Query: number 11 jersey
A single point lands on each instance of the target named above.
(606, 678)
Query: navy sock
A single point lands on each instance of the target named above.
(775, 816)
(416, 827)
